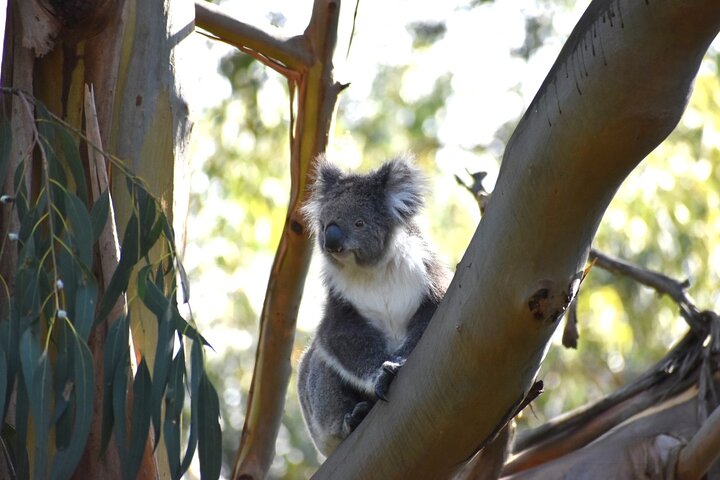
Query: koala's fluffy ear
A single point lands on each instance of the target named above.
(326, 176)
(404, 185)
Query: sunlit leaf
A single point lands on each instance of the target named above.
(188, 330)
(140, 423)
(184, 282)
(210, 434)
(66, 460)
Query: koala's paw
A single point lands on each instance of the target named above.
(353, 419)
(387, 375)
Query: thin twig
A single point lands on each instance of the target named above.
(657, 281)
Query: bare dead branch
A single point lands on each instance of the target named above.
(657, 281)
(676, 372)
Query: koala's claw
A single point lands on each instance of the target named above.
(388, 371)
(352, 420)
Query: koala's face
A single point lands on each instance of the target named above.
(354, 216)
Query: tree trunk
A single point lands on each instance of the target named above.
(126, 50)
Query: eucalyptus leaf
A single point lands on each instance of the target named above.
(209, 434)
(99, 214)
(5, 143)
(120, 279)
(153, 297)
(3, 384)
(163, 360)
(69, 147)
(78, 219)
(140, 423)
(85, 303)
(119, 406)
(22, 405)
(196, 366)
(40, 408)
(63, 380)
(174, 402)
(116, 359)
(29, 355)
(9, 344)
(66, 460)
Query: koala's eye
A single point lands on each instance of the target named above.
(359, 223)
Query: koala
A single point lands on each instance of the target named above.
(383, 283)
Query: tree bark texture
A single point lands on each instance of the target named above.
(126, 50)
(617, 89)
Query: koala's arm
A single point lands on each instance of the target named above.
(351, 346)
(416, 327)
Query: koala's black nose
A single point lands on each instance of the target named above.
(333, 238)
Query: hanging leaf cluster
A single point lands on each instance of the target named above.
(51, 313)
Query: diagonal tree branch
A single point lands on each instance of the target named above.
(617, 89)
(293, 52)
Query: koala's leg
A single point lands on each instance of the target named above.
(328, 404)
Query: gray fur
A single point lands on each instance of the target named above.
(383, 284)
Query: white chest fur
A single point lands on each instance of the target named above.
(389, 293)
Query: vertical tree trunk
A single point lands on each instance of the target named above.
(126, 50)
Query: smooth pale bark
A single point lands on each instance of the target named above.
(618, 88)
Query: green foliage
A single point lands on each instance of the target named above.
(46, 322)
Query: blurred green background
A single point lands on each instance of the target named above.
(447, 81)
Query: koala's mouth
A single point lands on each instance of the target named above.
(345, 257)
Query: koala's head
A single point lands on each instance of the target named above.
(354, 216)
